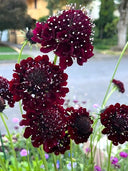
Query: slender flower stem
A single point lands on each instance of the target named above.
(20, 54)
(3, 164)
(54, 161)
(114, 89)
(20, 106)
(42, 154)
(60, 160)
(55, 59)
(109, 156)
(118, 62)
(2, 146)
(10, 139)
(71, 155)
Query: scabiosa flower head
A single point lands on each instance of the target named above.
(29, 36)
(68, 34)
(114, 160)
(123, 154)
(38, 82)
(119, 85)
(79, 124)
(5, 91)
(2, 104)
(115, 120)
(47, 127)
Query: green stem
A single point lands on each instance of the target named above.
(91, 146)
(54, 161)
(109, 156)
(21, 50)
(60, 160)
(108, 96)
(42, 154)
(118, 62)
(71, 155)
(20, 105)
(2, 146)
(10, 139)
(28, 159)
(55, 59)
(3, 164)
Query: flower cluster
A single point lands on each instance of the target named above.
(68, 34)
(119, 85)
(39, 83)
(115, 120)
(5, 94)
(79, 126)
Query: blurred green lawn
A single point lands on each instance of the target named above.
(5, 49)
(12, 57)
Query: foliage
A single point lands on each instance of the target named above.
(105, 16)
(80, 2)
(54, 4)
(17, 10)
(42, 19)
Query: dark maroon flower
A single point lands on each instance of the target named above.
(38, 83)
(79, 124)
(68, 34)
(2, 104)
(29, 36)
(119, 85)
(47, 127)
(115, 120)
(5, 93)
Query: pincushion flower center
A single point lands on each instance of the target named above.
(83, 125)
(36, 77)
(119, 124)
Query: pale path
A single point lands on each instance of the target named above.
(86, 83)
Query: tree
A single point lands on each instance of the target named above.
(105, 16)
(54, 4)
(13, 14)
(57, 4)
(122, 25)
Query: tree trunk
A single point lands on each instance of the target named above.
(122, 24)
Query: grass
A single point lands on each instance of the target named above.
(12, 57)
(6, 49)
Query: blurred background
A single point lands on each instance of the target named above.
(110, 18)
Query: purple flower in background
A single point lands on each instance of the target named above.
(57, 164)
(95, 106)
(46, 156)
(97, 168)
(24, 152)
(15, 120)
(69, 165)
(123, 154)
(87, 150)
(114, 160)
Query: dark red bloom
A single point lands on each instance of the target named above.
(5, 92)
(79, 124)
(38, 82)
(47, 127)
(119, 85)
(68, 34)
(2, 104)
(115, 120)
(29, 36)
